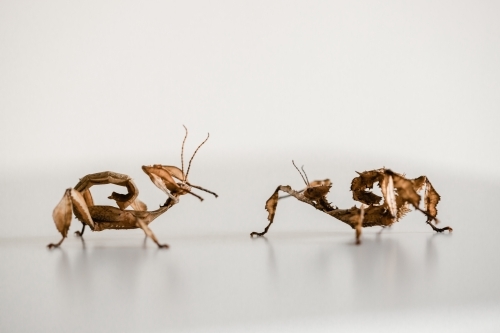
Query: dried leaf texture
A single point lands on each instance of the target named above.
(387, 187)
(364, 182)
(174, 172)
(88, 198)
(80, 208)
(431, 200)
(62, 213)
(158, 171)
(125, 200)
(317, 193)
(271, 204)
(418, 183)
(405, 188)
(109, 177)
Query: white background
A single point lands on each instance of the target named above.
(99, 80)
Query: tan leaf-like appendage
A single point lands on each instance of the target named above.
(365, 181)
(160, 183)
(431, 200)
(405, 189)
(387, 187)
(174, 171)
(317, 192)
(62, 214)
(418, 183)
(156, 172)
(80, 208)
(271, 205)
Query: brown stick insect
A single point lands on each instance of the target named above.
(399, 194)
(98, 218)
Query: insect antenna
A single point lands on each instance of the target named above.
(305, 174)
(182, 150)
(189, 166)
(300, 173)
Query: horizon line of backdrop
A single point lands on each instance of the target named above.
(102, 80)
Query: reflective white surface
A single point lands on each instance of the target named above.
(306, 275)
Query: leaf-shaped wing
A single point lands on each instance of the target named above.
(80, 208)
(271, 205)
(139, 205)
(387, 187)
(405, 189)
(431, 200)
(419, 182)
(62, 214)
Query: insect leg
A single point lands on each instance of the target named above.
(271, 205)
(359, 226)
(150, 234)
(51, 245)
(438, 229)
(80, 233)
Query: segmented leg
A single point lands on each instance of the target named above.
(80, 233)
(255, 233)
(359, 226)
(271, 205)
(52, 245)
(439, 229)
(150, 234)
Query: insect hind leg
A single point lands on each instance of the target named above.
(80, 233)
(52, 245)
(436, 229)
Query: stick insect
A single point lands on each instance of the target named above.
(399, 194)
(79, 200)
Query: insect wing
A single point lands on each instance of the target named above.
(389, 195)
(62, 214)
(406, 190)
